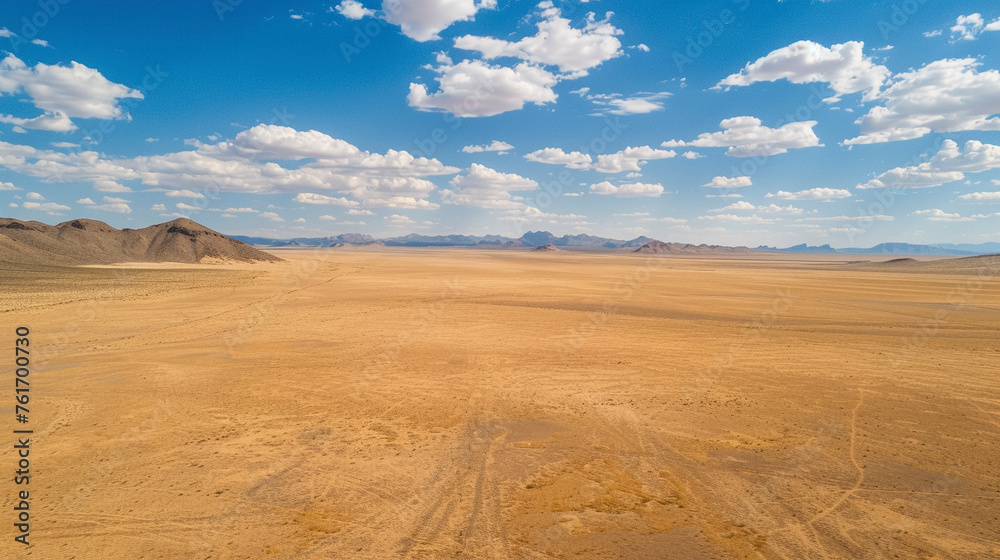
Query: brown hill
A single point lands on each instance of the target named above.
(545, 248)
(659, 247)
(92, 242)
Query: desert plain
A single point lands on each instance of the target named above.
(452, 403)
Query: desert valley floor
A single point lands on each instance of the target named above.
(424, 404)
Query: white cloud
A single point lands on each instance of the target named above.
(844, 67)
(982, 196)
(89, 201)
(877, 218)
(356, 212)
(271, 216)
(7, 33)
(62, 93)
(155, 208)
(691, 155)
(249, 163)
(751, 219)
(630, 159)
(483, 187)
(422, 20)
(241, 210)
(775, 209)
(112, 204)
(352, 9)
(944, 96)
(399, 219)
(41, 43)
(728, 182)
(739, 205)
(34, 196)
(938, 215)
(968, 28)
(819, 193)
(495, 146)
(473, 88)
(8, 187)
(627, 190)
(327, 218)
(556, 43)
(51, 207)
(638, 104)
(746, 137)
(312, 198)
(64, 145)
(184, 193)
(948, 165)
(934, 33)
(556, 156)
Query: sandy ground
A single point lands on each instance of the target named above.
(463, 404)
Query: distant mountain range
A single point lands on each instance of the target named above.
(591, 242)
(965, 249)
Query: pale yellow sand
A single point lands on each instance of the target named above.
(488, 404)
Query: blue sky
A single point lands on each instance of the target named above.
(740, 122)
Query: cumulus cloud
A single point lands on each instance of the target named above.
(184, 193)
(271, 216)
(249, 163)
(352, 9)
(422, 20)
(556, 156)
(495, 146)
(399, 219)
(844, 67)
(618, 104)
(312, 198)
(62, 93)
(970, 27)
(473, 88)
(751, 219)
(8, 187)
(947, 95)
(819, 193)
(112, 204)
(728, 182)
(34, 196)
(938, 215)
(742, 205)
(950, 164)
(628, 190)
(982, 196)
(51, 208)
(746, 137)
(484, 187)
(630, 159)
(558, 51)
(557, 43)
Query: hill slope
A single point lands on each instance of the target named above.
(92, 242)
